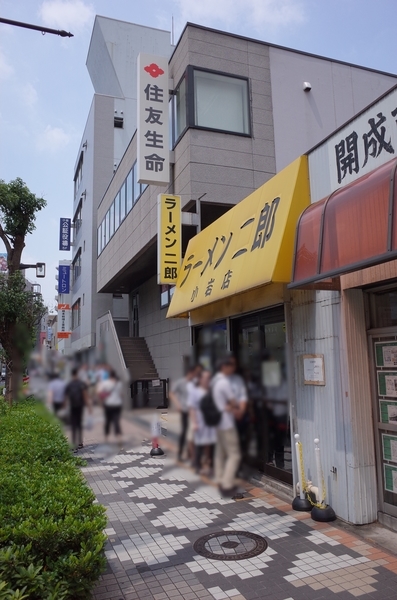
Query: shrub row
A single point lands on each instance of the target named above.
(51, 533)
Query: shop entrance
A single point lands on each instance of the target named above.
(383, 355)
(259, 342)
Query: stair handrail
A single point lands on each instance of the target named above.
(116, 338)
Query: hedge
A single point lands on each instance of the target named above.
(51, 533)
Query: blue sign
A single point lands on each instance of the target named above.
(64, 279)
(64, 234)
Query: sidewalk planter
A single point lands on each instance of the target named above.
(51, 533)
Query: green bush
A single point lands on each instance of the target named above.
(51, 533)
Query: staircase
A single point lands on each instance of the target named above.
(138, 359)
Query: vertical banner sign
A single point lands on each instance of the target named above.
(63, 321)
(64, 234)
(153, 123)
(169, 238)
(64, 279)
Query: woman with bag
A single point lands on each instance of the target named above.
(110, 393)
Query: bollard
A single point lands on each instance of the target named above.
(156, 433)
(300, 502)
(321, 512)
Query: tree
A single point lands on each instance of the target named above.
(20, 310)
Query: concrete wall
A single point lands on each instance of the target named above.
(168, 340)
(302, 119)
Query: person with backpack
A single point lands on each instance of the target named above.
(110, 393)
(204, 435)
(76, 393)
(227, 450)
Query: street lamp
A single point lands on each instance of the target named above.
(40, 268)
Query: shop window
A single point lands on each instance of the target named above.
(76, 314)
(166, 293)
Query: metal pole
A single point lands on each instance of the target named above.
(60, 32)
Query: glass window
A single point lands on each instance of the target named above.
(111, 221)
(180, 109)
(221, 102)
(104, 233)
(122, 202)
(99, 240)
(117, 212)
(77, 219)
(137, 186)
(108, 221)
(76, 314)
(129, 191)
(76, 265)
(166, 293)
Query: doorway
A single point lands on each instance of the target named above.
(259, 342)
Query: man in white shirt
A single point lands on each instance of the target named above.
(179, 396)
(227, 451)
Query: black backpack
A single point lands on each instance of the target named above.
(211, 414)
(75, 392)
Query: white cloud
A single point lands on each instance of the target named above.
(255, 14)
(66, 14)
(6, 70)
(29, 94)
(52, 139)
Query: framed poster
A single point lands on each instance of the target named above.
(388, 411)
(386, 354)
(390, 478)
(389, 447)
(387, 383)
(313, 369)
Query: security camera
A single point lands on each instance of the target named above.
(307, 86)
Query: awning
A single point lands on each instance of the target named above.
(250, 246)
(355, 227)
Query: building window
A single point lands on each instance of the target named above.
(100, 239)
(221, 102)
(77, 219)
(166, 293)
(180, 109)
(122, 202)
(76, 314)
(117, 212)
(76, 265)
(130, 191)
(110, 217)
(211, 100)
(78, 174)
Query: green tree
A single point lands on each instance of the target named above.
(20, 310)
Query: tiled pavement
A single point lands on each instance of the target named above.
(157, 510)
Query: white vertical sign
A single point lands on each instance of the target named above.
(153, 150)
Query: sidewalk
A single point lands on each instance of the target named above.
(158, 510)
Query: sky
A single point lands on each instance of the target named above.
(46, 92)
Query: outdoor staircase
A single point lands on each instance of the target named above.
(138, 359)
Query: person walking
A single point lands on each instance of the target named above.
(227, 450)
(179, 395)
(110, 393)
(204, 437)
(56, 393)
(76, 394)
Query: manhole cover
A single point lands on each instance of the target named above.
(233, 545)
